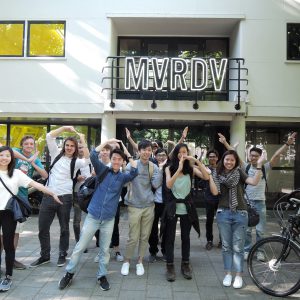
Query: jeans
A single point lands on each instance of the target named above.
(232, 227)
(89, 227)
(170, 232)
(47, 213)
(211, 208)
(153, 239)
(260, 206)
(8, 225)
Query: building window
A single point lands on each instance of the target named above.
(12, 38)
(293, 41)
(46, 38)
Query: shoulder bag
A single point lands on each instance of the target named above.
(19, 206)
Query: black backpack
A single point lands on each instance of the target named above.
(87, 189)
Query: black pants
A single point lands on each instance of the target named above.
(153, 238)
(170, 232)
(47, 213)
(211, 208)
(8, 225)
(115, 238)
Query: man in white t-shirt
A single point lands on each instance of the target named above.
(60, 181)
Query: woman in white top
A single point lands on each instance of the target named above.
(13, 178)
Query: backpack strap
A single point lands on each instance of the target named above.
(102, 176)
(73, 162)
(150, 169)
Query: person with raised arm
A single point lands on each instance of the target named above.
(63, 168)
(101, 211)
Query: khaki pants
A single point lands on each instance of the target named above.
(140, 225)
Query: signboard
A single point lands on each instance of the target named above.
(184, 74)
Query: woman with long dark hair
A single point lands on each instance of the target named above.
(179, 174)
(232, 216)
(13, 179)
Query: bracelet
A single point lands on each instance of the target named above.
(128, 157)
(287, 144)
(258, 168)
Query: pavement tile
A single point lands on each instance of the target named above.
(159, 291)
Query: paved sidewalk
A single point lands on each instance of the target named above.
(42, 282)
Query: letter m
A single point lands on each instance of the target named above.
(139, 76)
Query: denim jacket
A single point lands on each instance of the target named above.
(105, 200)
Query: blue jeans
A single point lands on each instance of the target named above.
(88, 230)
(260, 206)
(232, 227)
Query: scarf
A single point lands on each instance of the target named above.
(230, 180)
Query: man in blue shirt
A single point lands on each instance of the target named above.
(101, 211)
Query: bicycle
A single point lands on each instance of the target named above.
(274, 262)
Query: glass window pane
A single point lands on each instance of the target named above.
(216, 48)
(3, 131)
(158, 49)
(46, 39)
(293, 41)
(11, 39)
(130, 47)
(17, 132)
(188, 51)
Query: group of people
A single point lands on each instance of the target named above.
(159, 190)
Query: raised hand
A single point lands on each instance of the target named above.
(222, 138)
(185, 132)
(128, 134)
(292, 138)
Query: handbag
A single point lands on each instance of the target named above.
(20, 207)
(253, 216)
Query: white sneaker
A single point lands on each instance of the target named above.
(119, 257)
(227, 280)
(246, 254)
(125, 268)
(238, 282)
(260, 256)
(96, 259)
(140, 269)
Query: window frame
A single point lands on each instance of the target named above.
(289, 59)
(23, 38)
(44, 22)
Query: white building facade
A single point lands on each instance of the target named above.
(78, 86)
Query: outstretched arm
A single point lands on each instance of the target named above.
(291, 140)
(222, 139)
(45, 190)
(131, 141)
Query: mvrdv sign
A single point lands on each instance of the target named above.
(183, 74)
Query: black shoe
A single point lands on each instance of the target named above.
(209, 245)
(170, 273)
(40, 261)
(186, 270)
(104, 285)
(61, 261)
(86, 251)
(65, 281)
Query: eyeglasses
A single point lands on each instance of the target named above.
(161, 155)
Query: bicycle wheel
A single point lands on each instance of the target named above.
(276, 279)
